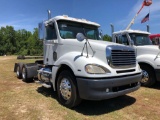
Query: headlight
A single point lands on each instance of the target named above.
(96, 69)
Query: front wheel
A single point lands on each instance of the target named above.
(148, 76)
(67, 89)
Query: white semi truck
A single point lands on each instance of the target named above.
(148, 55)
(79, 65)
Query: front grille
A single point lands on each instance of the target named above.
(122, 58)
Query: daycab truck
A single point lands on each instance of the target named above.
(79, 65)
(148, 55)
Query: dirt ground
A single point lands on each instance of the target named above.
(31, 101)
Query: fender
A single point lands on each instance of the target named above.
(146, 58)
(68, 59)
(77, 64)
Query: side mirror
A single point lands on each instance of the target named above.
(132, 42)
(41, 29)
(80, 37)
(100, 34)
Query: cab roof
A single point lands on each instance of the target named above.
(65, 17)
(131, 31)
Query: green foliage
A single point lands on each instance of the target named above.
(23, 42)
(19, 42)
(107, 38)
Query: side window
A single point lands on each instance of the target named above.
(122, 39)
(157, 40)
(50, 32)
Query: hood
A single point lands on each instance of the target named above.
(97, 45)
(101, 45)
(148, 49)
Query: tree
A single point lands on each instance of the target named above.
(21, 42)
(107, 38)
(7, 42)
(35, 46)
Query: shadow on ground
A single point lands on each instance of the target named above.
(47, 92)
(156, 86)
(95, 107)
(104, 106)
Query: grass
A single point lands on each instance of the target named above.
(30, 101)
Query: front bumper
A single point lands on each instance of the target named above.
(157, 72)
(105, 88)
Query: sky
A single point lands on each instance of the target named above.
(26, 14)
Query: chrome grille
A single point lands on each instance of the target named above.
(121, 58)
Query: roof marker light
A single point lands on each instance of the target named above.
(84, 19)
(65, 16)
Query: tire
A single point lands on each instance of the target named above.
(25, 74)
(148, 76)
(21, 57)
(67, 89)
(19, 70)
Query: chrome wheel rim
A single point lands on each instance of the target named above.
(65, 89)
(17, 71)
(23, 73)
(145, 76)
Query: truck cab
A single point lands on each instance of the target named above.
(78, 64)
(155, 38)
(147, 54)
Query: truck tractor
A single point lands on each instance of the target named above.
(148, 55)
(78, 64)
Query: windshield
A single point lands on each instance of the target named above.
(140, 39)
(69, 30)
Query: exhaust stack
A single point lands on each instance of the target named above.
(148, 28)
(49, 14)
(112, 28)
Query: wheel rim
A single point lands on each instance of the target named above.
(65, 89)
(145, 76)
(23, 73)
(17, 71)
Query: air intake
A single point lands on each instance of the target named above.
(122, 58)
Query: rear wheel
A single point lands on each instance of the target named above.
(148, 76)
(19, 70)
(67, 89)
(25, 74)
